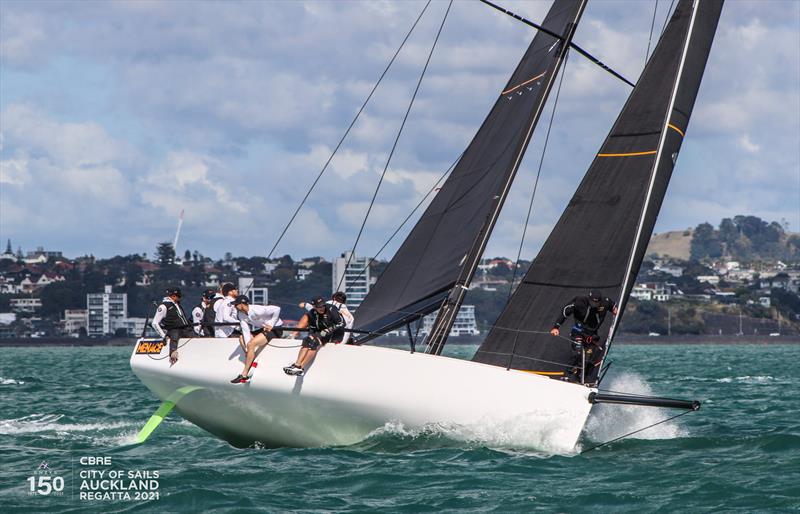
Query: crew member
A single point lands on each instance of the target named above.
(589, 313)
(198, 313)
(323, 322)
(210, 313)
(170, 321)
(338, 300)
(224, 312)
(266, 322)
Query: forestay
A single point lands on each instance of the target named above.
(429, 262)
(600, 239)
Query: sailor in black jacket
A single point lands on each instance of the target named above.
(589, 313)
(171, 322)
(324, 322)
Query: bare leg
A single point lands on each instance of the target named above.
(300, 356)
(256, 342)
(308, 357)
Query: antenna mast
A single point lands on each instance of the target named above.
(177, 233)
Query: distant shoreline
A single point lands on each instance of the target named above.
(623, 339)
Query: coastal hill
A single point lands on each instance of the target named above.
(676, 244)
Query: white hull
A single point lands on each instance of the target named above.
(350, 391)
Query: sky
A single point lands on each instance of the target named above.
(115, 116)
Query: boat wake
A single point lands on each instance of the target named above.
(607, 421)
(529, 433)
(10, 381)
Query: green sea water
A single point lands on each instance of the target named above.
(739, 453)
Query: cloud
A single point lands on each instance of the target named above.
(129, 111)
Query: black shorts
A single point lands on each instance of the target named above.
(314, 342)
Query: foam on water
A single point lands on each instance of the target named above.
(10, 381)
(759, 379)
(527, 432)
(609, 421)
(50, 423)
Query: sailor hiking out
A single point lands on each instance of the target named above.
(338, 300)
(589, 313)
(325, 324)
(170, 321)
(266, 323)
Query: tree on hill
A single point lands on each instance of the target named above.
(165, 254)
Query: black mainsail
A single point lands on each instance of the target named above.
(600, 240)
(439, 257)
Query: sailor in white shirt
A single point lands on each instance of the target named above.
(266, 322)
(338, 300)
(224, 312)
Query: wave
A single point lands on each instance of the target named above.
(35, 423)
(607, 421)
(758, 379)
(526, 433)
(10, 381)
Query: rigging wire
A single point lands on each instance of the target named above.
(650, 38)
(346, 132)
(666, 18)
(572, 44)
(538, 173)
(394, 145)
(636, 431)
(431, 190)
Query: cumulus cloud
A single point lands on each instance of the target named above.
(215, 107)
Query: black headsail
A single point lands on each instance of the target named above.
(442, 251)
(600, 240)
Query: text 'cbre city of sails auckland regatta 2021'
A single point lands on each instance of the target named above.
(517, 377)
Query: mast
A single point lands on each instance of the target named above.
(441, 252)
(630, 273)
(452, 303)
(600, 240)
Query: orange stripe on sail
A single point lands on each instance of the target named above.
(554, 373)
(676, 129)
(631, 154)
(537, 77)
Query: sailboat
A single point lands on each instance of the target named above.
(517, 377)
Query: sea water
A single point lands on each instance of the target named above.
(66, 412)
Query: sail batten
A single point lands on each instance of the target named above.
(600, 239)
(439, 253)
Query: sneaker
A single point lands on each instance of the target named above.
(289, 370)
(240, 380)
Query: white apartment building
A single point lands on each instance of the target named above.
(257, 295)
(104, 310)
(354, 280)
(464, 325)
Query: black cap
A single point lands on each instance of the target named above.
(209, 294)
(227, 287)
(241, 300)
(170, 291)
(318, 302)
(596, 295)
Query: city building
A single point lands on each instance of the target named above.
(257, 295)
(9, 253)
(74, 320)
(302, 273)
(464, 325)
(27, 305)
(104, 310)
(133, 327)
(353, 278)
